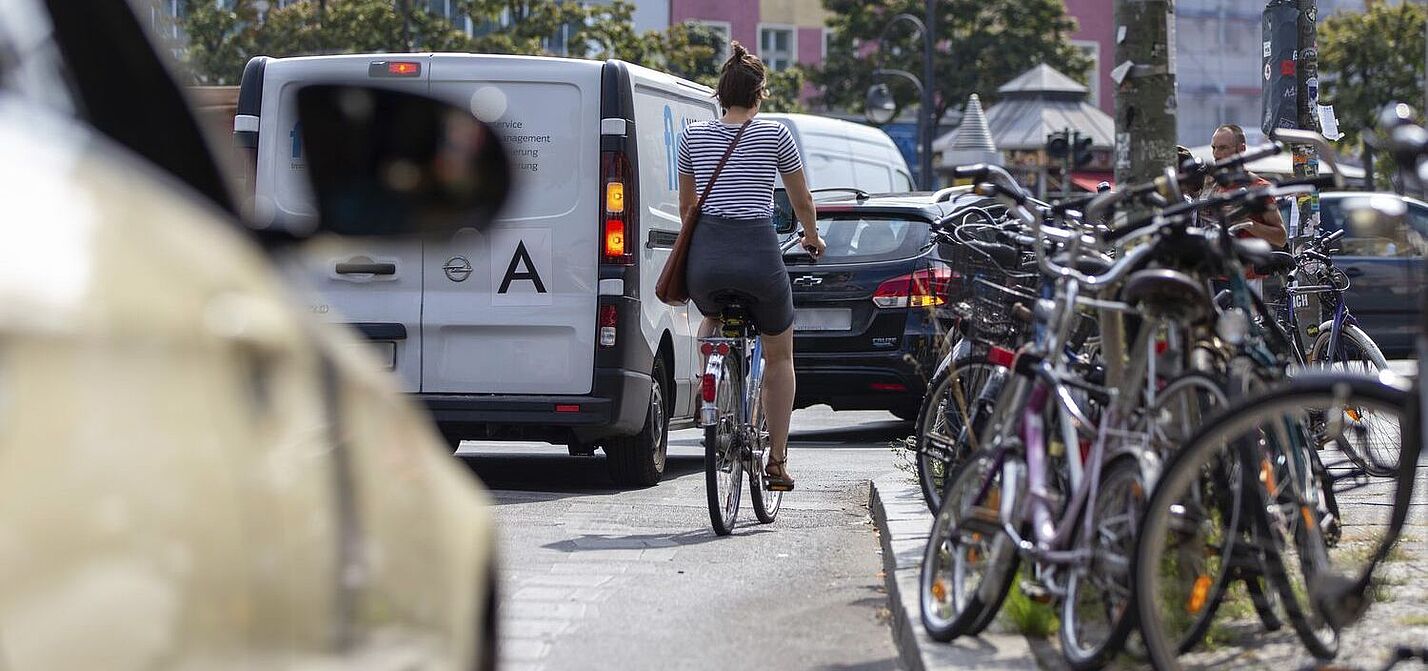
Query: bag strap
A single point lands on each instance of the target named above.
(720, 168)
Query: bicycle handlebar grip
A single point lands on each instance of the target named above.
(976, 172)
(1116, 234)
(1331, 237)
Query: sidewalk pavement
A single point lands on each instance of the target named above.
(903, 523)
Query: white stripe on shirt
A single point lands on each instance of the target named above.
(745, 187)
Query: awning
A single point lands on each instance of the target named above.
(1087, 181)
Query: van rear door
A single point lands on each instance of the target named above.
(375, 286)
(512, 309)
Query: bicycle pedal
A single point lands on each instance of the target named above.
(1036, 591)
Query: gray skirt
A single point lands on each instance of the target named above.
(740, 255)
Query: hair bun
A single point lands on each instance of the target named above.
(737, 53)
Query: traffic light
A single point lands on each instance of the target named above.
(1080, 149)
(1057, 144)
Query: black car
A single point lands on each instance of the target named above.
(1384, 273)
(872, 314)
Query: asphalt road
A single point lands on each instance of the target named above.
(599, 578)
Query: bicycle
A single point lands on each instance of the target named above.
(736, 437)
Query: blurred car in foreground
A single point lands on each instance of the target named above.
(194, 472)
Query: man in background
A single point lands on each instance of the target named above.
(1227, 141)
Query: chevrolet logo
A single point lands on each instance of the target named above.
(807, 281)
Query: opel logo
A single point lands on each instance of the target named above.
(807, 281)
(457, 269)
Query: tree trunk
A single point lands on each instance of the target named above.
(1145, 121)
(1145, 89)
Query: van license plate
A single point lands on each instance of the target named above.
(822, 319)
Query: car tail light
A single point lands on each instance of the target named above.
(1001, 356)
(616, 220)
(609, 318)
(922, 289)
(706, 387)
(888, 386)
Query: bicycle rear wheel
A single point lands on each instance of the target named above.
(955, 394)
(1280, 524)
(723, 461)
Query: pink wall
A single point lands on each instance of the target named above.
(810, 46)
(742, 14)
(1097, 22)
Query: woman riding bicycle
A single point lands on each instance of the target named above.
(735, 248)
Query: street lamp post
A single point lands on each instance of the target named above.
(880, 107)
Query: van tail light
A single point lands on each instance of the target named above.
(609, 318)
(922, 289)
(616, 220)
(706, 387)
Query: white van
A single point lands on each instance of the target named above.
(843, 154)
(545, 325)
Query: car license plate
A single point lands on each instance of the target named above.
(386, 352)
(822, 319)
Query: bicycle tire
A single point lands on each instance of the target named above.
(938, 448)
(722, 461)
(971, 607)
(1121, 477)
(1377, 459)
(766, 502)
(1184, 469)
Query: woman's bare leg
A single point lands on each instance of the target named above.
(778, 390)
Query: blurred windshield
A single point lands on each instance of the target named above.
(862, 239)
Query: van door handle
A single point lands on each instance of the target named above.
(366, 268)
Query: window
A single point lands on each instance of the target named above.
(851, 238)
(721, 28)
(778, 46)
(827, 38)
(1092, 51)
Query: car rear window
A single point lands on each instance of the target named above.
(862, 239)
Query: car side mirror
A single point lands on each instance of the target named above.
(785, 221)
(389, 163)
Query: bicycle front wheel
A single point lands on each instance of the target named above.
(723, 461)
(969, 563)
(1356, 433)
(957, 398)
(1097, 613)
(1265, 500)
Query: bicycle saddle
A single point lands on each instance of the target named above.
(1166, 293)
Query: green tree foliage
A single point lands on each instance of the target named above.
(980, 45)
(223, 36)
(1369, 60)
(220, 39)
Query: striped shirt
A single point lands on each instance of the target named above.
(745, 187)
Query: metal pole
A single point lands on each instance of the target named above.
(929, 121)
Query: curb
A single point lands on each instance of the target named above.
(903, 521)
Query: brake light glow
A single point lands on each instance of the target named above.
(922, 289)
(614, 238)
(394, 69)
(706, 387)
(609, 319)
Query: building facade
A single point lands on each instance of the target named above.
(782, 32)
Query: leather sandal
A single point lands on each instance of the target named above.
(777, 480)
